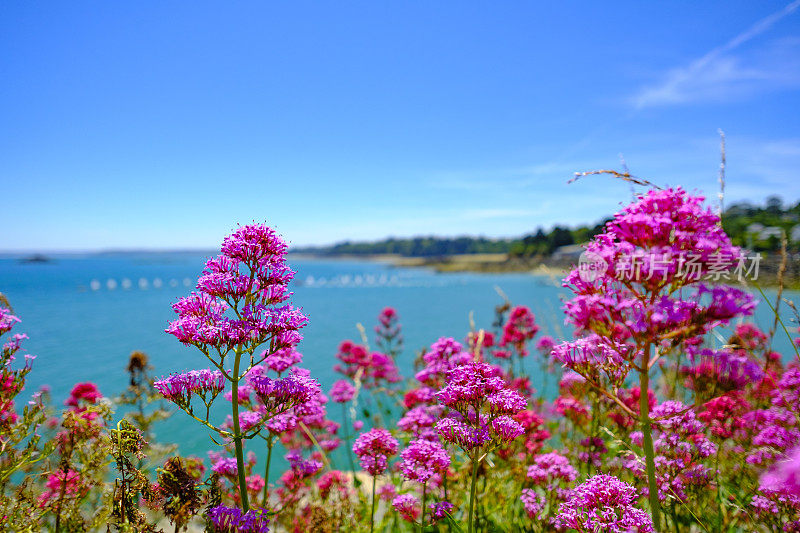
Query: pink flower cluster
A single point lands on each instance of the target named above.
(279, 395)
(517, 332)
(444, 355)
(251, 276)
(666, 224)
(374, 448)
(423, 459)
(387, 331)
(784, 475)
(303, 468)
(603, 503)
(179, 388)
(281, 360)
(551, 468)
(600, 360)
(471, 389)
(680, 445)
(83, 392)
(342, 391)
(11, 381)
(408, 506)
(62, 484)
(373, 368)
(232, 520)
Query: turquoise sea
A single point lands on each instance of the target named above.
(84, 314)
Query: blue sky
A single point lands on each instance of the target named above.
(164, 124)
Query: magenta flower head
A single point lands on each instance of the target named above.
(389, 338)
(408, 507)
(250, 276)
(423, 459)
(599, 359)
(179, 388)
(7, 320)
(784, 475)
(463, 435)
(231, 520)
(444, 355)
(342, 391)
(506, 402)
(281, 360)
(86, 392)
(388, 316)
(224, 466)
(280, 395)
(63, 485)
(375, 368)
(519, 329)
(373, 449)
(470, 383)
(664, 241)
(533, 502)
(420, 419)
(603, 503)
(249, 420)
(303, 468)
(240, 306)
(506, 428)
(719, 371)
(545, 345)
(481, 403)
(550, 468)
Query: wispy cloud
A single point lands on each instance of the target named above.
(551, 174)
(721, 75)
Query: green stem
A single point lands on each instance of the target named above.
(472, 486)
(237, 433)
(593, 431)
(422, 520)
(346, 423)
(372, 513)
(444, 482)
(270, 443)
(649, 453)
(719, 490)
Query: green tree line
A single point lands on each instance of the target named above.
(738, 221)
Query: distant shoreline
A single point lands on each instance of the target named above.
(479, 263)
(556, 269)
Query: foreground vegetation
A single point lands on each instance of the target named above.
(673, 412)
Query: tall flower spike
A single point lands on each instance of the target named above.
(238, 307)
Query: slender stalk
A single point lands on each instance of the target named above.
(444, 482)
(270, 443)
(237, 433)
(472, 486)
(545, 373)
(422, 520)
(649, 453)
(593, 432)
(372, 513)
(349, 447)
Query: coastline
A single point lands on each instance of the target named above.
(541, 266)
